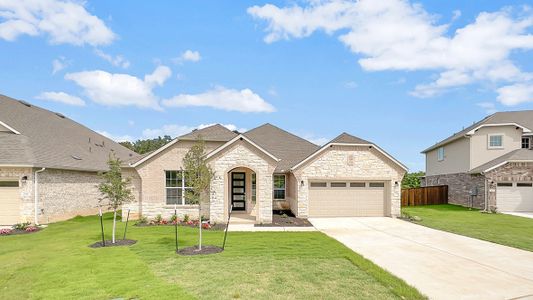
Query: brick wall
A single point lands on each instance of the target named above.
(459, 187)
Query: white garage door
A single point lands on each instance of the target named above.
(346, 199)
(516, 196)
(9, 202)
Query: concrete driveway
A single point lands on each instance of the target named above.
(439, 264)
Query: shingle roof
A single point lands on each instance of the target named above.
(51, 140)
(516, 155)
(345, 138)
(289, 148)
(523, 118)
(214, 132)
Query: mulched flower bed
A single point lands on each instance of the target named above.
(205, 250)
(6, 231)
(117, 243)
(284, 218)
(187, 224)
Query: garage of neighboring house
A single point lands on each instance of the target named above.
(514, 196)
(10, 202)
(347, 199)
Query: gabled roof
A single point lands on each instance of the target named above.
(522, 119)
(518, 155)
(287, 147)
(41, 138)
(213, 133)
(216, 132)
(348, 140)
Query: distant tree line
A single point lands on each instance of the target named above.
(148, 145)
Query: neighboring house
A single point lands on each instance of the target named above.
(268, 169)
(488, 165)
(49, 164)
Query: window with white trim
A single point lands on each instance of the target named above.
(279, 187)
(175, 187)
(495, 141)
(526, 143)
(440, 154)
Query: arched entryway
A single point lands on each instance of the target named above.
(242, 192)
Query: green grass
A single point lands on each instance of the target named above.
(57, 263)
(498, 228)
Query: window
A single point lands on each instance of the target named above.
(254, 187)
(440, 154)
(524, 184)
(318, 184)
(525, 143)
(376, 184)
(338, 184)
(279, 187)
(9, 183)
(175, 187)
(505, 184)
(495, 141)
(357, 184)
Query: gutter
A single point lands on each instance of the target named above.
(36, 195)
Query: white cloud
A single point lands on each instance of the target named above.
(399, 35)
(231, 127)
(317, 140)
(117, 138)
(121, 89)
(516, 93)
(59, 64)
(223, 98)
(489, 107)
(188, 55)
(350, 84)
(117, 61)
(61, 97)
(64, 22)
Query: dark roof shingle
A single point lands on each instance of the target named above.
(51, 140)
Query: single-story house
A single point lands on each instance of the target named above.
(49, 164)
(266, 169)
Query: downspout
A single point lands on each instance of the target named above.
(36, 196)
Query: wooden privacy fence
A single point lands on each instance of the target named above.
(425, 195)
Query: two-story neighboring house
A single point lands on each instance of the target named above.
(488, 165)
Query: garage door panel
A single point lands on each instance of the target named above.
(346, 202)
(513, 198)
(9, 206)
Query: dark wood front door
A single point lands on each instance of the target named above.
(238, 190)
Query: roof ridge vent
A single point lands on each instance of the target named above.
(24, 103)
(62, 116)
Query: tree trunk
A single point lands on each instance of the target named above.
(200, 224)
(114, 224)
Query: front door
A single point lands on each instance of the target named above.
(238, 191)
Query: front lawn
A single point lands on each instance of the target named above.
(498, 228)
(57, 263)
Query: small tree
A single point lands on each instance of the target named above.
(198, 175)
(412, 180)
(115, 189)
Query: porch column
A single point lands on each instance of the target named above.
(264, 197)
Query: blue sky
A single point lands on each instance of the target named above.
(401, 74)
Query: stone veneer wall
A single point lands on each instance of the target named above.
(26, 190)
(350, 162)
(460, 186)
(64, 194)
(510, 172)
(241, 154)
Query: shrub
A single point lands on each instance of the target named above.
(5, 231)
(21, 226)
(173, 219)
(158, 219)
(186, 218)
(206, 226)
(142, 220)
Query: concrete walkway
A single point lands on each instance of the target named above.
(520, 214)
(439, 264)
(251, 227)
